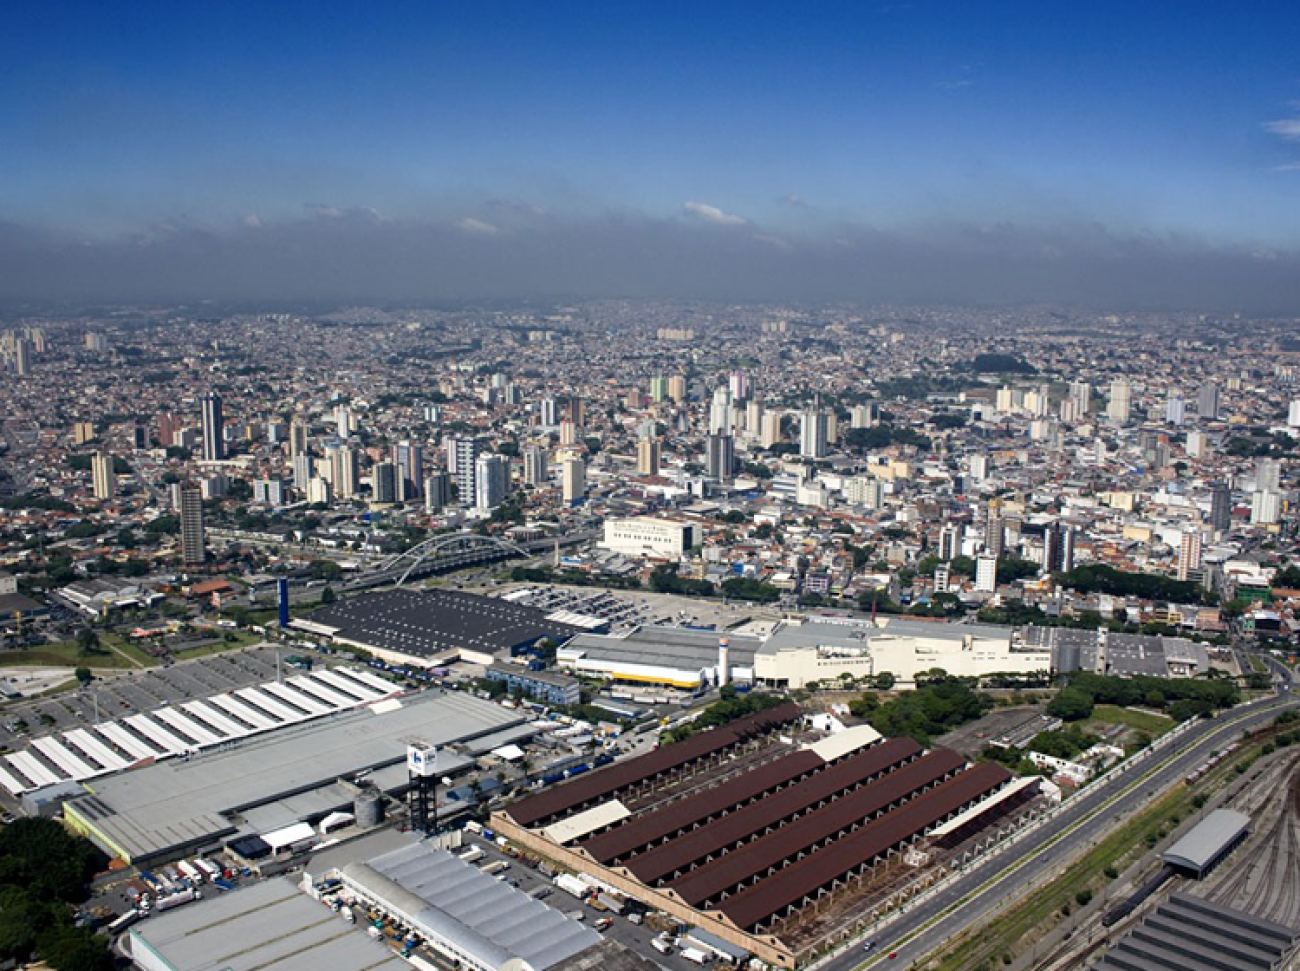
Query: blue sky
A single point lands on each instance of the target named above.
(1180, 120)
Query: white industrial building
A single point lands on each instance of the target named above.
(647, 536)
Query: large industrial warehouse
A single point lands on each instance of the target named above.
(433, 626)
(259, 787)
(750, 830)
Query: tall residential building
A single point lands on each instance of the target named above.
(738, 385)
(343, 423)
(658, 388)
(1198, 444)
(343, 471)
(1175, 409)
(865, 415)
(1293, 414)
(720, 412)
(1268, 475)
(813, 434)
(491, 481)
(297, 437)
(304, 470)
(82, 432)
(549, 414)
(409, 459)
(1207, 401)
(1265, 507)
(536, 470)
(1189, 554)
(994, 534)
(720, 459)
(103, 476)
(771, 429)
(677, 388)
(269, 491)
(384, 480)
(462, 463)
(647, 457)
(1081, 395)
(214, 428)
(193, 550)
(1121, 401)
(1058, 548)
(573, 480)
(568, 433)
(986, 573)
(949, 541)
(1220, 506)
(22, 356)
(437, 491)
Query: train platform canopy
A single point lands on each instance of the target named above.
(268, 924)
(1192, 934)
(1208, 842)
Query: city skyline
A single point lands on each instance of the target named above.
(899, 153)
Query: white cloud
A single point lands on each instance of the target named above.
(325, 212)
(774, 241)
(253, 221)
(1287, 128)
(477, 226)
(712, 214)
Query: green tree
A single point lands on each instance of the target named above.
(328, 596)
(1070, 704)
(87, 642)
(83, 675)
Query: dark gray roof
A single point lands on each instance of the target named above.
(1192, 934)
(1207, 841)
(426, 623)
(673, 647)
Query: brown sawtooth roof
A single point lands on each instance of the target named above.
(641, 831)
(753, 859)
(559, 800)
(659, 861)
(791, 885)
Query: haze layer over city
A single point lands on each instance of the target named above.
(558, 487)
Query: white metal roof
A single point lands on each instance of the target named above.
(842, 743)
(579, 825)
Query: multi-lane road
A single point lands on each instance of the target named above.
(1039, 855)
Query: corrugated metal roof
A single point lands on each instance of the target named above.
(545, 806)
(761, 900)
(485, 917)
(653, 826)
(719, 876)
(660, 861)
(1207, 840)
(266, 925)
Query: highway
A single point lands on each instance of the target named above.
(991, 884)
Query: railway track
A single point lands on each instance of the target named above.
(1261, 882)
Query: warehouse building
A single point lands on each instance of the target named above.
(796, 653)
(739, 830)
(431, 627)
(271, 924)
(464, 914)
(52, 762)
(674, 657)
(263, 786)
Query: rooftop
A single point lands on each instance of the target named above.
(174, 804)
(426, 623)
(269, 924)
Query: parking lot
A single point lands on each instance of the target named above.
(626, 609)
(632, 936)
(116, 695)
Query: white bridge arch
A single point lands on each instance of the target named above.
(441, 545)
